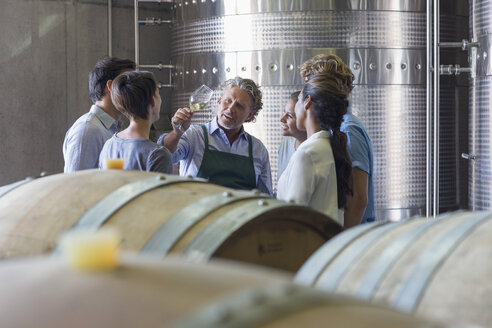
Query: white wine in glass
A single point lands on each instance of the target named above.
(199, 99)
(198, 106)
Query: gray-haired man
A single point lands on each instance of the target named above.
(221, 150)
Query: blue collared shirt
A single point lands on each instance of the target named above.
(360, 150)
(192, 144)
(286, 148)
(85, 139)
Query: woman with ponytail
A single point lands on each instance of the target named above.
(319, 172)
(360, 205)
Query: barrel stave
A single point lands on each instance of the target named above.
(141, 217)
(298, 235)
(40, 211)
(436, 268)
(161, 214)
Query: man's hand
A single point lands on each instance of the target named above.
(181, 120)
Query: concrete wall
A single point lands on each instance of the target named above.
(47, 49)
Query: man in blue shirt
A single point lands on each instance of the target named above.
(85, 139)
(360, 149)
(360, 205)
(221, 151)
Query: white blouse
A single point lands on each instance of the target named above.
(310, 177)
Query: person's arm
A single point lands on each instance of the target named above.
(181, 117)
(265, 178)
(356, 204)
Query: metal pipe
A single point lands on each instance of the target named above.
(456, 69)
(137, 43)
(436, 108)
(158, 66)
(428, 103)
(464, 44)
(459, 70)
(164, 85)
(154, 21)
(171, 76)
(110, 28)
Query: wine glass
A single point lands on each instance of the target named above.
(199, 99)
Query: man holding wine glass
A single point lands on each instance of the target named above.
(220, 150)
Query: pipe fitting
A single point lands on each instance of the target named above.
(153, 21)
(464, 44)
(469, 157)
(453, 70)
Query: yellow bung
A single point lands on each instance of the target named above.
(91, 250)
(113, 163)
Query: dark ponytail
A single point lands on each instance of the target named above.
(329, 94)
(343, 166)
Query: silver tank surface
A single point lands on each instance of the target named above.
(480, 193)
(383, 42)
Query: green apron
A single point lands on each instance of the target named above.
(226, 169)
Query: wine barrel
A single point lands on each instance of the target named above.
(438, 268)
(143, 292)
(161, 214)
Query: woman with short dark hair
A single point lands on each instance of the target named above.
(135, 95)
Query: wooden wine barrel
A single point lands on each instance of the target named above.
(438, 268)
(161, 214)
(143, 292)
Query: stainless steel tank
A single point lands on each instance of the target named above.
(383, 42)
(480, 187)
